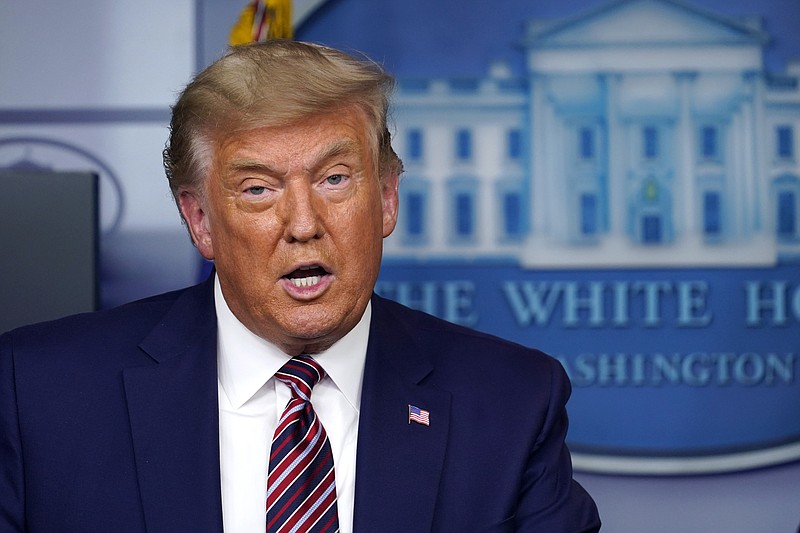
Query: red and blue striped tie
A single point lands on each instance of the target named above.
(301, 489)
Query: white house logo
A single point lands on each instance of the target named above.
(630, 204)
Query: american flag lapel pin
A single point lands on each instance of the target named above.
(420, 416)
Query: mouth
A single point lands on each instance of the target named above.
(306, 276)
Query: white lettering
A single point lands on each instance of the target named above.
(696, 369)
(450, 300)
(596, 303)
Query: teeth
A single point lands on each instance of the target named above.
(305, 282)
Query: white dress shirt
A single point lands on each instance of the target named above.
(251, 401)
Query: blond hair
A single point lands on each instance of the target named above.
(273, 83)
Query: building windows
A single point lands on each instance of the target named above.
(463, 145)
(511, 212)
(514, 144)
(413, 221)
(464, 214)
(588, 211)
(586, 145)
(785, 142)
(787, 215)
(649, 142)
(512, 215)
(786, 191)
(712, 214)
(652, 211)
(463, 209)
(414, 145)
(709, 142)
(651, 229)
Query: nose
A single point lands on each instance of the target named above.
(300, 212)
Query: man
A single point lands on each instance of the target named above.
(160, 415)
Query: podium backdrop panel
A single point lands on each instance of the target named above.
(49, 245)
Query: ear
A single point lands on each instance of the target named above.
(194, 214)
(390, 200)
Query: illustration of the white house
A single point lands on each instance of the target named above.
(643, 133)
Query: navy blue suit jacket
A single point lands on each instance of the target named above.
(109, 422)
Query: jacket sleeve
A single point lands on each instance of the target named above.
(12, 492)
(550, 500)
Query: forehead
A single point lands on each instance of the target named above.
(343, 132)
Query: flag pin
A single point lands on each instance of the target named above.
(420, 416)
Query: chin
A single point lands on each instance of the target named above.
(316, 326)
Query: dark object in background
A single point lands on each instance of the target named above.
(49, 245)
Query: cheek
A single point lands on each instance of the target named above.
(244, 239)
(365, 219)
(242, 223)
(365, 237)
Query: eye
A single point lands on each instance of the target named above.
(256, 190)
(335, 179)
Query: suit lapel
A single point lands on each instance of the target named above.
(174, 418)
(175, 425)
(399, 464)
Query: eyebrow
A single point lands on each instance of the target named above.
(337, 148)
(250, 165)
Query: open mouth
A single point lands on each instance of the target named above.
(306, 276)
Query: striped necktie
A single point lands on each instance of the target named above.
(301, 490)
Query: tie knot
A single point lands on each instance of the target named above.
(301, 373)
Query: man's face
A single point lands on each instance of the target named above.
(294, 218)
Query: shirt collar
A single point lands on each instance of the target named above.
(246, 361)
